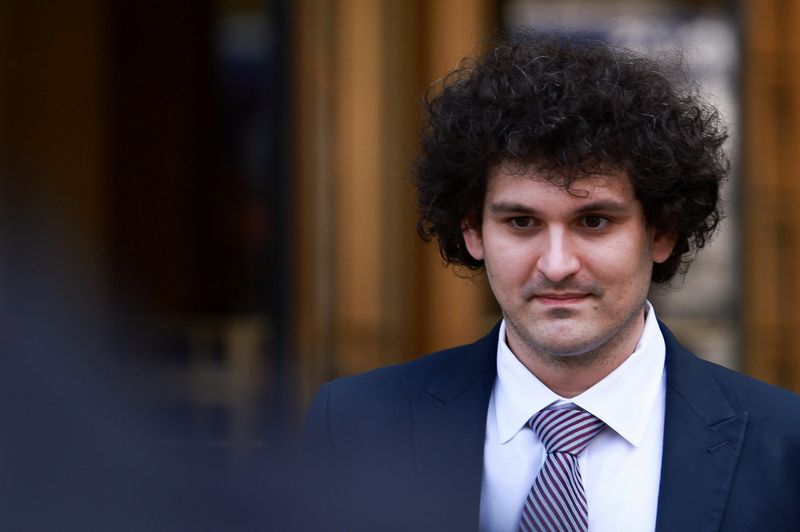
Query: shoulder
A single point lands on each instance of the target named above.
(376, 406)
(753, 393)
(772, 413)
(397, 383)
(695, 373)
(709, 387)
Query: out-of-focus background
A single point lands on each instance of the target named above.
(217, 191)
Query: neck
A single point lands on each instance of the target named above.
(570, 375)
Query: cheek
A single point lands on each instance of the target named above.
(629, 243)
(508, 265)
(622, 262)
(639, 271)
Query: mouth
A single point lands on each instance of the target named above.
(557, 299)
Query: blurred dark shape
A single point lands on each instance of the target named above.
(80, 449)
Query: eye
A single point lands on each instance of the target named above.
(521, 222)
(595, 222)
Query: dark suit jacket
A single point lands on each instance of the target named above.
(401, 448)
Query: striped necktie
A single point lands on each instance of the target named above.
(557, 502)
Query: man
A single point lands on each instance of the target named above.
(577, 175)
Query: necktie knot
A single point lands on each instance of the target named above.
(565, 430)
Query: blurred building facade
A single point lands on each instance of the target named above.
(235, 174)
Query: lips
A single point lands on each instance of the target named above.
(560, 293)
(561, 299)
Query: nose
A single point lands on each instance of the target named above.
(559, 259)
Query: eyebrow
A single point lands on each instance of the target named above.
(609, 206)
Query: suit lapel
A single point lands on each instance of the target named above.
(449, 433)
(703, 437)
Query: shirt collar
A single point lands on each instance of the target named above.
(623, 399)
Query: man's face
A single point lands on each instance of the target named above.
(570, 268)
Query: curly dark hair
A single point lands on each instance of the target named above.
(572, 106)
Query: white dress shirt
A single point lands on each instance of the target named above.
(621, 467)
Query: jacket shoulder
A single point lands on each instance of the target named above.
(700, 380)
(379, 402)
(756, 397)
(389, 384)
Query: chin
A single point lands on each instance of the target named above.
(568, 351)
(558, 343)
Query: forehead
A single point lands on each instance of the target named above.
(541, 187)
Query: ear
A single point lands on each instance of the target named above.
(473, 238)
(662, 245)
